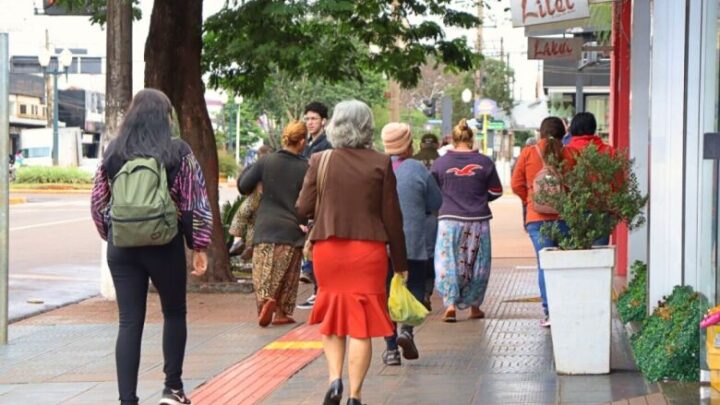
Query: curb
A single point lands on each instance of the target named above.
(48, 191)
(14, 200)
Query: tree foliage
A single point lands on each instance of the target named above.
(330, 40)
(97, 9)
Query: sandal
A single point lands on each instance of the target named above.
(283, 321)
(266, 313)
(449, 316)
(476, 314)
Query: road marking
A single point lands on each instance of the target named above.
(67, 221)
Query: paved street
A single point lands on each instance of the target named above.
(54, 253)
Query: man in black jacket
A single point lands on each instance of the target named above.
(315, 115)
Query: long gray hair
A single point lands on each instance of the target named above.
(146, 130)
(351, 125)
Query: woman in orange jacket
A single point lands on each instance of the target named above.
(531, 161)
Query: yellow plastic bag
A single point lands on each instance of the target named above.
(403, 306)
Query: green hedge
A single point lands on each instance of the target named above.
(668, 345)
(632, 303)
(53, 175)
(227, 166)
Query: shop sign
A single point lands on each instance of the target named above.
(534, 12)
(554, 48)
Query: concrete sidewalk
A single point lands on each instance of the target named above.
(67, 355)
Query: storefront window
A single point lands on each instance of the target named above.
(599, 105)
(562, 105)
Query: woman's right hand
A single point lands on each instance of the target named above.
(403, 274)
(200, 262)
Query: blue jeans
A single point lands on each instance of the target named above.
(539, 242)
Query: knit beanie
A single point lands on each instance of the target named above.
(396, 138)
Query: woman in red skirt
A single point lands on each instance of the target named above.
(357, 217)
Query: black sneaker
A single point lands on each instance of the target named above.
(391, 357)
(407, 343)
(174, 397)
(308, 304)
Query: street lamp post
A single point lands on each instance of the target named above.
(63, 62)
(238, 101)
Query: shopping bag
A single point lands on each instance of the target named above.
(403, 306)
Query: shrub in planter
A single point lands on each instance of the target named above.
(592, 197)
(632, 302)
(668, 345)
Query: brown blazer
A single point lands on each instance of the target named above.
(360, 201)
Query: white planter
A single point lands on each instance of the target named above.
(579, 285)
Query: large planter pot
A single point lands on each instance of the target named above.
(579, 285)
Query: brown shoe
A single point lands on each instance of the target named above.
(247, 254)
(449, 316)
(283, 321)
(266, 313)
(476, 313)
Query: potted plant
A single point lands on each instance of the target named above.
(593, 196)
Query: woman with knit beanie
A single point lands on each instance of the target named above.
(468, 181)
(278, 239)
(419, 196)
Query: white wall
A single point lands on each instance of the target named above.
(667, 149)
(640, 62)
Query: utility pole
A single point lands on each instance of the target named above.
(394, 89)
(118, 94)
(4, 185)
(49, 87)
(479, 49)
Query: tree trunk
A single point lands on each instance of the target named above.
(118, 94)
(172, 65)
(118, 80)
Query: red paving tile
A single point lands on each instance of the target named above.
(257, 376)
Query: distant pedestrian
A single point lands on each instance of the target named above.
(19, 159)
(446, 145)
(242, 226)
(146, 133)
(429, 145)
(468, 181)
(358, 216)
(531, 161)
(419, 197)
(428, 150)
(278, 238)
(315, 117)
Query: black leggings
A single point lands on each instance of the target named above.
(131, 268)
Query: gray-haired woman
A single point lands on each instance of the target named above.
(358, 216)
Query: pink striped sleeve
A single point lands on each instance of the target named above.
(100, 202)
(190, 194)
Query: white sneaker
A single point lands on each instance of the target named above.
(308, 304)
(545, 323)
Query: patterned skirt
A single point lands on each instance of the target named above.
(462, 262)
(276, 273)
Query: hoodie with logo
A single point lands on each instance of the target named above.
(468, 181)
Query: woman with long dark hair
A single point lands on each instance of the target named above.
(146, 133)
(531, 161)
